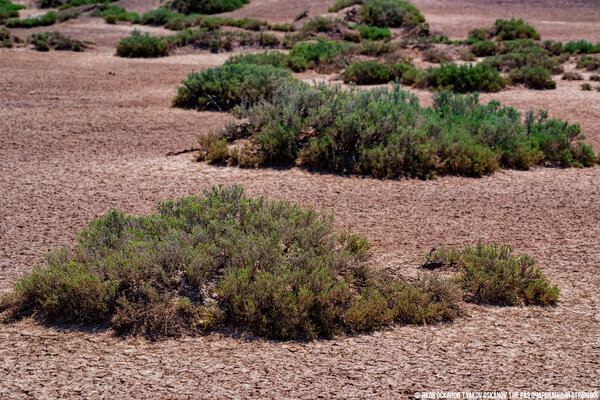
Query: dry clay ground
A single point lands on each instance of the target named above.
(76, 141)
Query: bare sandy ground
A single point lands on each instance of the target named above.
(76, 141)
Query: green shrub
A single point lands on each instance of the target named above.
(481, 34)
(533, 77)
(403, 72)
(366, 73)
(484, 48)
(6, 39)
(514, 29)
(588, 62)
(373, 32)
(224, 87)
(491, 274)
(595, 78)
(518, 54)
(374, 48)
(386, 134)
(158, 17)
(55, 40)
(311, 55)
(586, 86)
(112, 14)
(9, 10)
(317, 25)
(286, 27)
(480, 77)
(142, 45)
(582, 47)
(391, 13)
(466, 55)
(198, 263)
(43, 20)
(273, 58)
(207, 6)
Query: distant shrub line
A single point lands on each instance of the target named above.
(274, 268)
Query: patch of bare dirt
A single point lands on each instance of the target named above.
(76, 141)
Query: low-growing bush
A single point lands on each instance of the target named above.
(142, 45)
(588, 62)
(55, 40)
(492, 274)
(340, 4)
(481, 34)
(9, 10)
(273, 58)
(286, 27)
(581, 47)
(586, 86)
(404, 72)
(44, 20)
(7, 39)
(466, 55)
(533, 77)
(484, 48)
(595, 78)
(200, 263)
(207, 6)
(112, 14)
(437, 56)
(375, 48)
(572, 76)
(321, 53)
(391, 13)
(373, 32)
(386, 134)
(224, 87)
(317, 25)
(514, 29)
(366, 73)
(480, 77)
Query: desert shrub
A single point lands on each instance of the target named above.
(207, 6)
(582, 47)
(481, 34)
(462, 78)
(374, 48)
(492, 274)
(44, 20)
(404, 72)
(595, 78)
(9, 10)
(112, 14)
(273, 58)
(366, 73)
(55, 40)
(391, 13)
(158, 17)
(533, 77)
(223, 258)
(514, 29)
(340, 4)
(386, 134)
(484, 48)
(318, 24)
(437, 56)
(6, 39)
(224, 87)
(586, 86)
(466, 55)
(213, 22)
(142, 45)
(373, 32)
(588, 62)
(312, 55)
(518, 54)
(572, 76)
(286, 27)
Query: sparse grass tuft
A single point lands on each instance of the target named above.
(55, 40)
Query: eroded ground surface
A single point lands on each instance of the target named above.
(76, 141)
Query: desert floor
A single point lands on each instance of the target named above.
(76, 141)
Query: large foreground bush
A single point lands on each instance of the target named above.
(491, 274)
(386, 133)
(224, 258)
(224, 87)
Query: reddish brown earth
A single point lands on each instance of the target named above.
(76, 141)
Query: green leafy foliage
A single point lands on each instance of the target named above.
(582, 47)
(480, 77)
(142, 45)
(512, 29)
(391, 13)
(373, 32)
(224, 87)
(491, 274)
(112, 14)
(44, 20)
(588, 62)
(484, 48)
(273, 58)
(223, 258)
(55, 40)
(366, 73)
(340, 4)
(319, 54)
(386, 134)
(207, 6)
(533, 77)
(9, 10)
